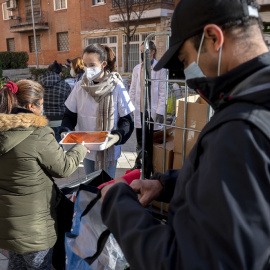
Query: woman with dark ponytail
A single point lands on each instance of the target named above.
(100, 103)
(29, 158)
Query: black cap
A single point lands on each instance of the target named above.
(191, 16)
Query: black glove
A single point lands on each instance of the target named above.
(160, 118)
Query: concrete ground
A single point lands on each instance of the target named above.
(125, 162)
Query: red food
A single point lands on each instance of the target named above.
(87, 137)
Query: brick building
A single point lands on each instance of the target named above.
(64, 27)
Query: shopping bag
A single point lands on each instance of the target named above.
(90, 245)
(65, 209)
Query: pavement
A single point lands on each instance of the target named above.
(125, 162)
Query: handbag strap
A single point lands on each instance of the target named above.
(102, 238)
(91, 204)
(100, 245)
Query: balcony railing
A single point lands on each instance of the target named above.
(116, 3)
(18, 24)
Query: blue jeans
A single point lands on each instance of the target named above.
(57, 134)
(89, 167)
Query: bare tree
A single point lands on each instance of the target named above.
(130, 14)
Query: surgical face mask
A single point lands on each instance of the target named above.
(193, 70)
(72, 73)
(93, 72)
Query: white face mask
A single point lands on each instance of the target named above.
(72, 73)
(194, 71)
(93, 72)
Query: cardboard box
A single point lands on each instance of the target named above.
(196, 118)
(177, 161)
(158, 150)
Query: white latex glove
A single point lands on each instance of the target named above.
(113, 139)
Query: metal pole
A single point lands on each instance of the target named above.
(145, 93)
(34, 30)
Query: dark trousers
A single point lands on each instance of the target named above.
(148, 140)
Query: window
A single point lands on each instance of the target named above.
(100, 40)
(134, 49)
(98, 2)
(60, 4)
(10, 45)
(62, 42)
(32, 44)
(6, 13)
(110, 41)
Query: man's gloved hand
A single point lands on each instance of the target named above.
(160, 118)
(113, 139)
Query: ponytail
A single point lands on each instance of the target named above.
(111, 59)
(8, 100)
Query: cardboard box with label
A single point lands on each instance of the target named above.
(158, 150)
(196, 118)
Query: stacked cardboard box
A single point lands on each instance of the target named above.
(196, 118)
(158, 146)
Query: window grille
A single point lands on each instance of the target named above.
(144, 36)
(62, 42)
(10, 44)
(100, 40)
(134, 49)
(113, 39)
(32, 44)
(133, 56)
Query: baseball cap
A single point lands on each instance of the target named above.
(190, 17)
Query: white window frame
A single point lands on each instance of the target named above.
(115, 45)
(61, 8)
(139, 42)
(7, 12)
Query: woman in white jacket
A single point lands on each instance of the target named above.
(157, 94)
(100, 102)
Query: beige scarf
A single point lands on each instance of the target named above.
(103, 94)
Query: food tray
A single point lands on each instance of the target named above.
(93, 140)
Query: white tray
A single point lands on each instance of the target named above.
(91, 146)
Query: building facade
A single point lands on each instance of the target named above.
(64, 27)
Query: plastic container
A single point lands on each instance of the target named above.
(93, 140)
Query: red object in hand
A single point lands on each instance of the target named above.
(129, 177)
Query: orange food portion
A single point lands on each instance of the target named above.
(87, 137)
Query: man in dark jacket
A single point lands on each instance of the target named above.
(55, 95)
(219, 214)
